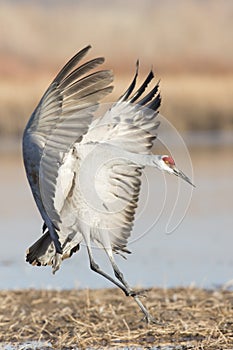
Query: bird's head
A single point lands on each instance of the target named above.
(167, 164)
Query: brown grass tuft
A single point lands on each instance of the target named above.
(190, 318)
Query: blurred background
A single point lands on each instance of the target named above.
(189, 46)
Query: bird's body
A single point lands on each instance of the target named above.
(85, 174)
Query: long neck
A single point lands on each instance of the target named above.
(110, 150)
(153, 160)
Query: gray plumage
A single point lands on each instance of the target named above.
(85, 174)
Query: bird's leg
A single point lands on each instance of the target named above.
(119, 275)
(95, 267)
(134, 294)
(147, 316)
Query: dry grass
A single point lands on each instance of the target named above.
(187, 35)
(189, 102)
(195, 44)
(190, 318)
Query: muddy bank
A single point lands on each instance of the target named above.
(189, 318)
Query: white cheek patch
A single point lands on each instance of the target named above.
(165, 167)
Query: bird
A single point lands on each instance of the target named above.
(85, 171)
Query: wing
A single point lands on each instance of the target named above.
(118, 187)
(63, 117)
(130, 125)
(131, 122)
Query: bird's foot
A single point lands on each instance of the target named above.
(151, 320)
(147, 316)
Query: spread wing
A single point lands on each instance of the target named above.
(63, 117)
(129, 127)
(131, 122)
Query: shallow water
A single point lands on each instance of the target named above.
(198, 251)
(30, 345)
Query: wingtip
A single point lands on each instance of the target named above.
(88, 47)
(85, 50)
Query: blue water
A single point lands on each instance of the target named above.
(197, 252)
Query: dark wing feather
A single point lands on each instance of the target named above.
(128, 92)
(142, 88)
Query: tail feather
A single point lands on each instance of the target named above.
(40, 252)
(43, 252)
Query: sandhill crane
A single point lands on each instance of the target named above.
(84, 173)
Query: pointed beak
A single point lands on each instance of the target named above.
(180, 174)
